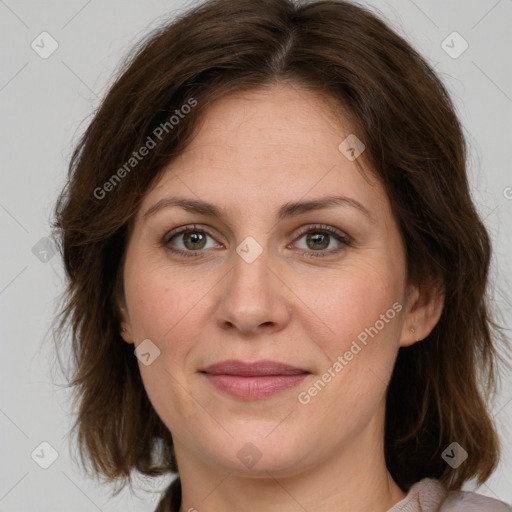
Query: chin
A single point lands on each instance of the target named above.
(258, 451)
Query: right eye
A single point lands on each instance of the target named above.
(191, 239)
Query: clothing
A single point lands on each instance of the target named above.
(427, 495)
(171, 499)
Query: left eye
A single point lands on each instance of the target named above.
(317, 240)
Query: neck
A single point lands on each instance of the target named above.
(354, 478)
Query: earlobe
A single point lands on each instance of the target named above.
(424, 308)
(125, 328)
(126, 335)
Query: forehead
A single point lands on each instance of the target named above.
(278, 141)
(280, 115)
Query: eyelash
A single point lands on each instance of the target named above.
(318, 228)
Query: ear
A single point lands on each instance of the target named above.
(125, 324)
(424, 305)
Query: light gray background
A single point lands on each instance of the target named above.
(45, 105)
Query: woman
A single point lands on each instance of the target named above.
(277, 276)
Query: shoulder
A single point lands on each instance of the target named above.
(430, 495)
(171, 498)
(466, 501)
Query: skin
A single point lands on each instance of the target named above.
(252, 153)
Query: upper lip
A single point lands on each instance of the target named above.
(254, 369)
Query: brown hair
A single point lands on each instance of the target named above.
(414, 144)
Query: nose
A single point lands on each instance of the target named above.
(253, 298)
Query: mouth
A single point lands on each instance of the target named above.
(253, 381)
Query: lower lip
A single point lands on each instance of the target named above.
(255, 388)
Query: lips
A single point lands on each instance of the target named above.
(258, 368)
(253, 381)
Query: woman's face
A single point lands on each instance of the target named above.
(279, 276)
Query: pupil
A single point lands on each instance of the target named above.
(195, 238)
(319, 237)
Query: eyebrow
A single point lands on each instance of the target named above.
(288, 210)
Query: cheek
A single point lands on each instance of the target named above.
(360, 313)
(351, 302)
(161, 301)
(166, 307)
